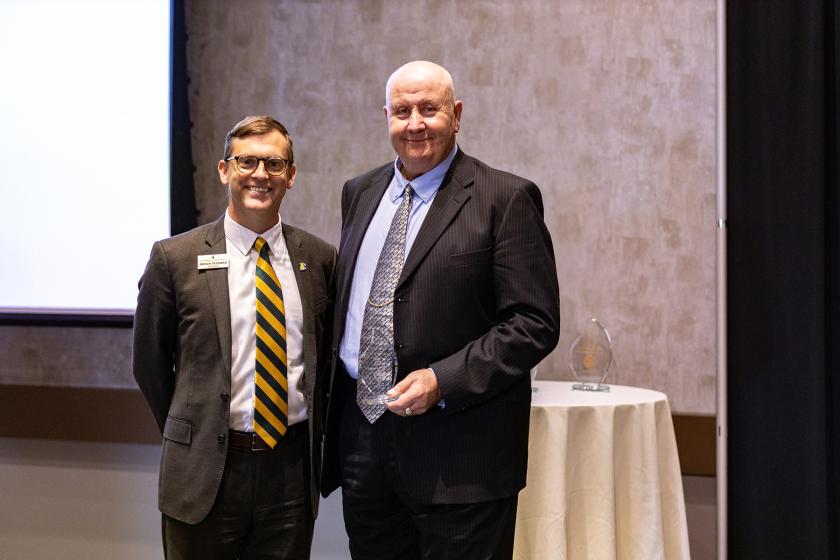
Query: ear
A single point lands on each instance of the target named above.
(385, 110)
(223, 171)
(292, 175)
(456, 125)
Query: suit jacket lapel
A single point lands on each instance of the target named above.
(217, 283)
(452, 194)
(298, 256)
(364, 209)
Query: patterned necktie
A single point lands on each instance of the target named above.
(377, 359)
(271, 408)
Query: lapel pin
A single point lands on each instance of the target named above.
(302, 265)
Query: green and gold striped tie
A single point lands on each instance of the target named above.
(271, 392)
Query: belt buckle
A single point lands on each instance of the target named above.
(254, 437)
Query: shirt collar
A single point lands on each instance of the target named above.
(243, 238)
(426, 185)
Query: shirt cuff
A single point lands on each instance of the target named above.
(441, 403)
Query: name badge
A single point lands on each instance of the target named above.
(206, 262)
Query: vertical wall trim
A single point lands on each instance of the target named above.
(183, 214)
(722, 426)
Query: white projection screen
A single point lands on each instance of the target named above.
(85, 152)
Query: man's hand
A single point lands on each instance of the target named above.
(418, 392)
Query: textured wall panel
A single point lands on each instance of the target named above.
(607, 105)
(65, 356)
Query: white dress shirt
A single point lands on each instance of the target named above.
(242, 292)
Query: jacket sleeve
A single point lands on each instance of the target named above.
(527, 309)
(155, 335)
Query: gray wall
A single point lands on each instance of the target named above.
(608, 105)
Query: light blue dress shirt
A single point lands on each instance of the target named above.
(425, 188)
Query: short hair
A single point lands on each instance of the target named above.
(256, 125)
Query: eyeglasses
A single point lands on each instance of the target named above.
(248, 164)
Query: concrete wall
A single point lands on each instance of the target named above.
(608, 105)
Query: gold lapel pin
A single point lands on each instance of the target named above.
(302, 266)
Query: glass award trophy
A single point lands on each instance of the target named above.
(591, 357)
(534, 378)
(388, 361)
(376, 398)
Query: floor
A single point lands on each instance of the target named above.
(86, 501)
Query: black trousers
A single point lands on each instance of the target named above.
(383, 521)
(262, 509)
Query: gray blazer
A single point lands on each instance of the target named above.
(182, 358)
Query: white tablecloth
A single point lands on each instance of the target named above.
(603, 478)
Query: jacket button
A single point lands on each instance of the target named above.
(224, 397)
(221, 438)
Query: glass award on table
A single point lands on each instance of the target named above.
(590, 357)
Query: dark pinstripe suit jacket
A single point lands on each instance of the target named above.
(182, 357)
(478, 303)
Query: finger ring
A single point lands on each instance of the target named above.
(408, 412)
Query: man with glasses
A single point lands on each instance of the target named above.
(228, 341)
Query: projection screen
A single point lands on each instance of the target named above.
(85, 152)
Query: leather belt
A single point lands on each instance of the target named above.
(252, 442)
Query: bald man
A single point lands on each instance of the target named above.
(446, 297)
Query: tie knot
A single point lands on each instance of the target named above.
(409, 190)
(261, 246)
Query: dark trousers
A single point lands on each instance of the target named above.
(262, 509)
(384, 522)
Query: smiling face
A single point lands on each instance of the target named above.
(423, 116)
(254, 198)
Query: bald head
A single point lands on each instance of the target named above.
(423, 116)
(421, 71)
